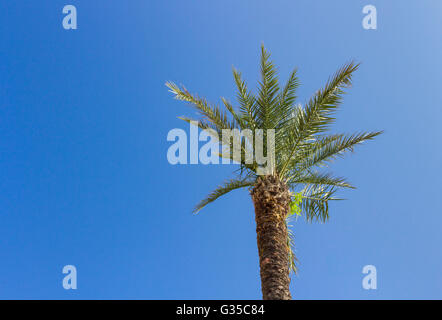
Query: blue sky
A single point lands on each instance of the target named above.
(84, 178)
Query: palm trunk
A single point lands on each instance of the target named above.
(271, 198)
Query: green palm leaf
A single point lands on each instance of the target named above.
(326, 149)
(211, 113)
(316, 117)
(226, 187)
(321, 179)
(267, 110)
(246, 102)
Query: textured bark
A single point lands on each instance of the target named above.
(271, 198)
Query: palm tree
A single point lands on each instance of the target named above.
(302, 149)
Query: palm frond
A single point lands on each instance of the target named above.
(315, 178)
(267, 106)
(316, 117)
(328, 148)
(211, 113)
(226, 187)
(293, 260)
(324, 103)
(203, 125)
(315, 200)
(246, 101)
(236, 117)
(287, 98)
(213, 131)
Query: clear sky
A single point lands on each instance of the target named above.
(84, 177)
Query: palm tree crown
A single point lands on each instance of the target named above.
(302, 147)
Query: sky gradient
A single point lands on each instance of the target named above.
(84, 177)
